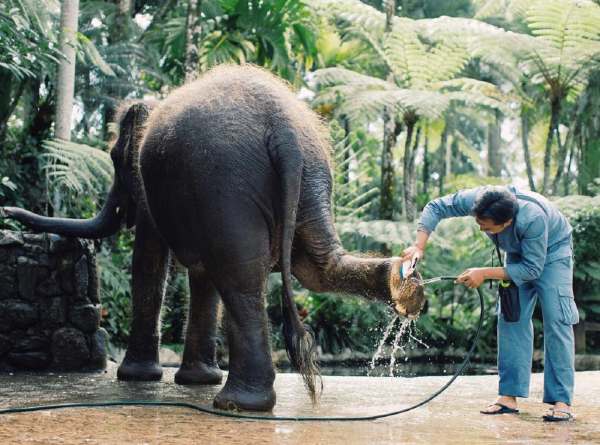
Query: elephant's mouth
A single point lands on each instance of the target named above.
(408, 295)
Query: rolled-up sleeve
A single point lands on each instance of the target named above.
(458, 204)
(534, 246)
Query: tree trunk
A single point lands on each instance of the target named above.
(192, 40)
(426, 161)
(526, 155)
(554, 111)
(564, 149)
(410, 191)
(567, 179)
(495, 163)
(442, 159)
(387, 168)
(447, 146)
(65, 86)
(390, 132)
(158, 17)
(5, 95)
(408, 171)
(410, 127)
(122, 20)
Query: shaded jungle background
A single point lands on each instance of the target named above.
(422, 99)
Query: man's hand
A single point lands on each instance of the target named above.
(409, 253)
(474, 277)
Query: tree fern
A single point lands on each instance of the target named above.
(381, 231)
(570, 31)
(27, 44)
(81, 172)
(511, 9)
(353, 192)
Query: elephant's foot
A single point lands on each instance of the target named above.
(198, 373)
(248, 400)
(147, 370)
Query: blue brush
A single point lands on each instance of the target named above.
(408, 267)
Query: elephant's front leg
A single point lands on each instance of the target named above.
(199, 363)
(150, 269)
(249, 384)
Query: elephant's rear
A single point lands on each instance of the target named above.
(207, 152)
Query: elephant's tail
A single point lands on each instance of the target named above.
(286, 155)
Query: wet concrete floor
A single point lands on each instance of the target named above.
(453, 417)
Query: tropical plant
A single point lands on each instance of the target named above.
(354, 176)
(259, 31)
(28, 50)
(82, 174)
(570, 31)
(423, 84)
(114, 264)
(565, 56)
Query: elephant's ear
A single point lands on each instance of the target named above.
(125, 152)
(131, 125)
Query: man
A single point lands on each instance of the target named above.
(537, 240)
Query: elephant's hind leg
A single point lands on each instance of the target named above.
(199, 363)
(242, 286)
(249, 384)
(150, 269)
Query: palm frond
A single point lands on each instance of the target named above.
(342, 76)
(381, 231)
(408, 56)
(483, 40)
(352, 13)
(42, 13)
(87, 53)
(77, 169)
(219, 47)
(476, 98)
(353, 192)
(511, 9)
(570, 32)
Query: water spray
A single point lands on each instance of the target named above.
(406, 272)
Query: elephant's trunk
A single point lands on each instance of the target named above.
(105, 224)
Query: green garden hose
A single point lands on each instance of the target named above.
(260, 417)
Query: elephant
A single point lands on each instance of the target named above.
(231, 175)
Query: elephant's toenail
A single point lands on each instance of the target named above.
(231, 406)
(216, 403)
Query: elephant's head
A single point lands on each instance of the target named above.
(121, 204)
(408, 295)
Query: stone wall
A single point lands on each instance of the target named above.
(49, 304)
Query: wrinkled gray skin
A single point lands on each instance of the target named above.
(232, 177)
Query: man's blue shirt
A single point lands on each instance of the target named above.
(539, 234)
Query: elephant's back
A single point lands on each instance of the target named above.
(235, 108)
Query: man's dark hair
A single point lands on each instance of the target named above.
(496, 203)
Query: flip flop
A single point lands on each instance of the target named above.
(553, 418)
(503, 410)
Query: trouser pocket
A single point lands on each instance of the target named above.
(568, 308)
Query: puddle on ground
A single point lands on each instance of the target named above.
(454, 415)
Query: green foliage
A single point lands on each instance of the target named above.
(79, 172)
(26, 39)
(175, 306)
(114, 263)
(339, 323)
(355, 190)
(569, 30)
(584, 215)
(344, 322)
(262, 32)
